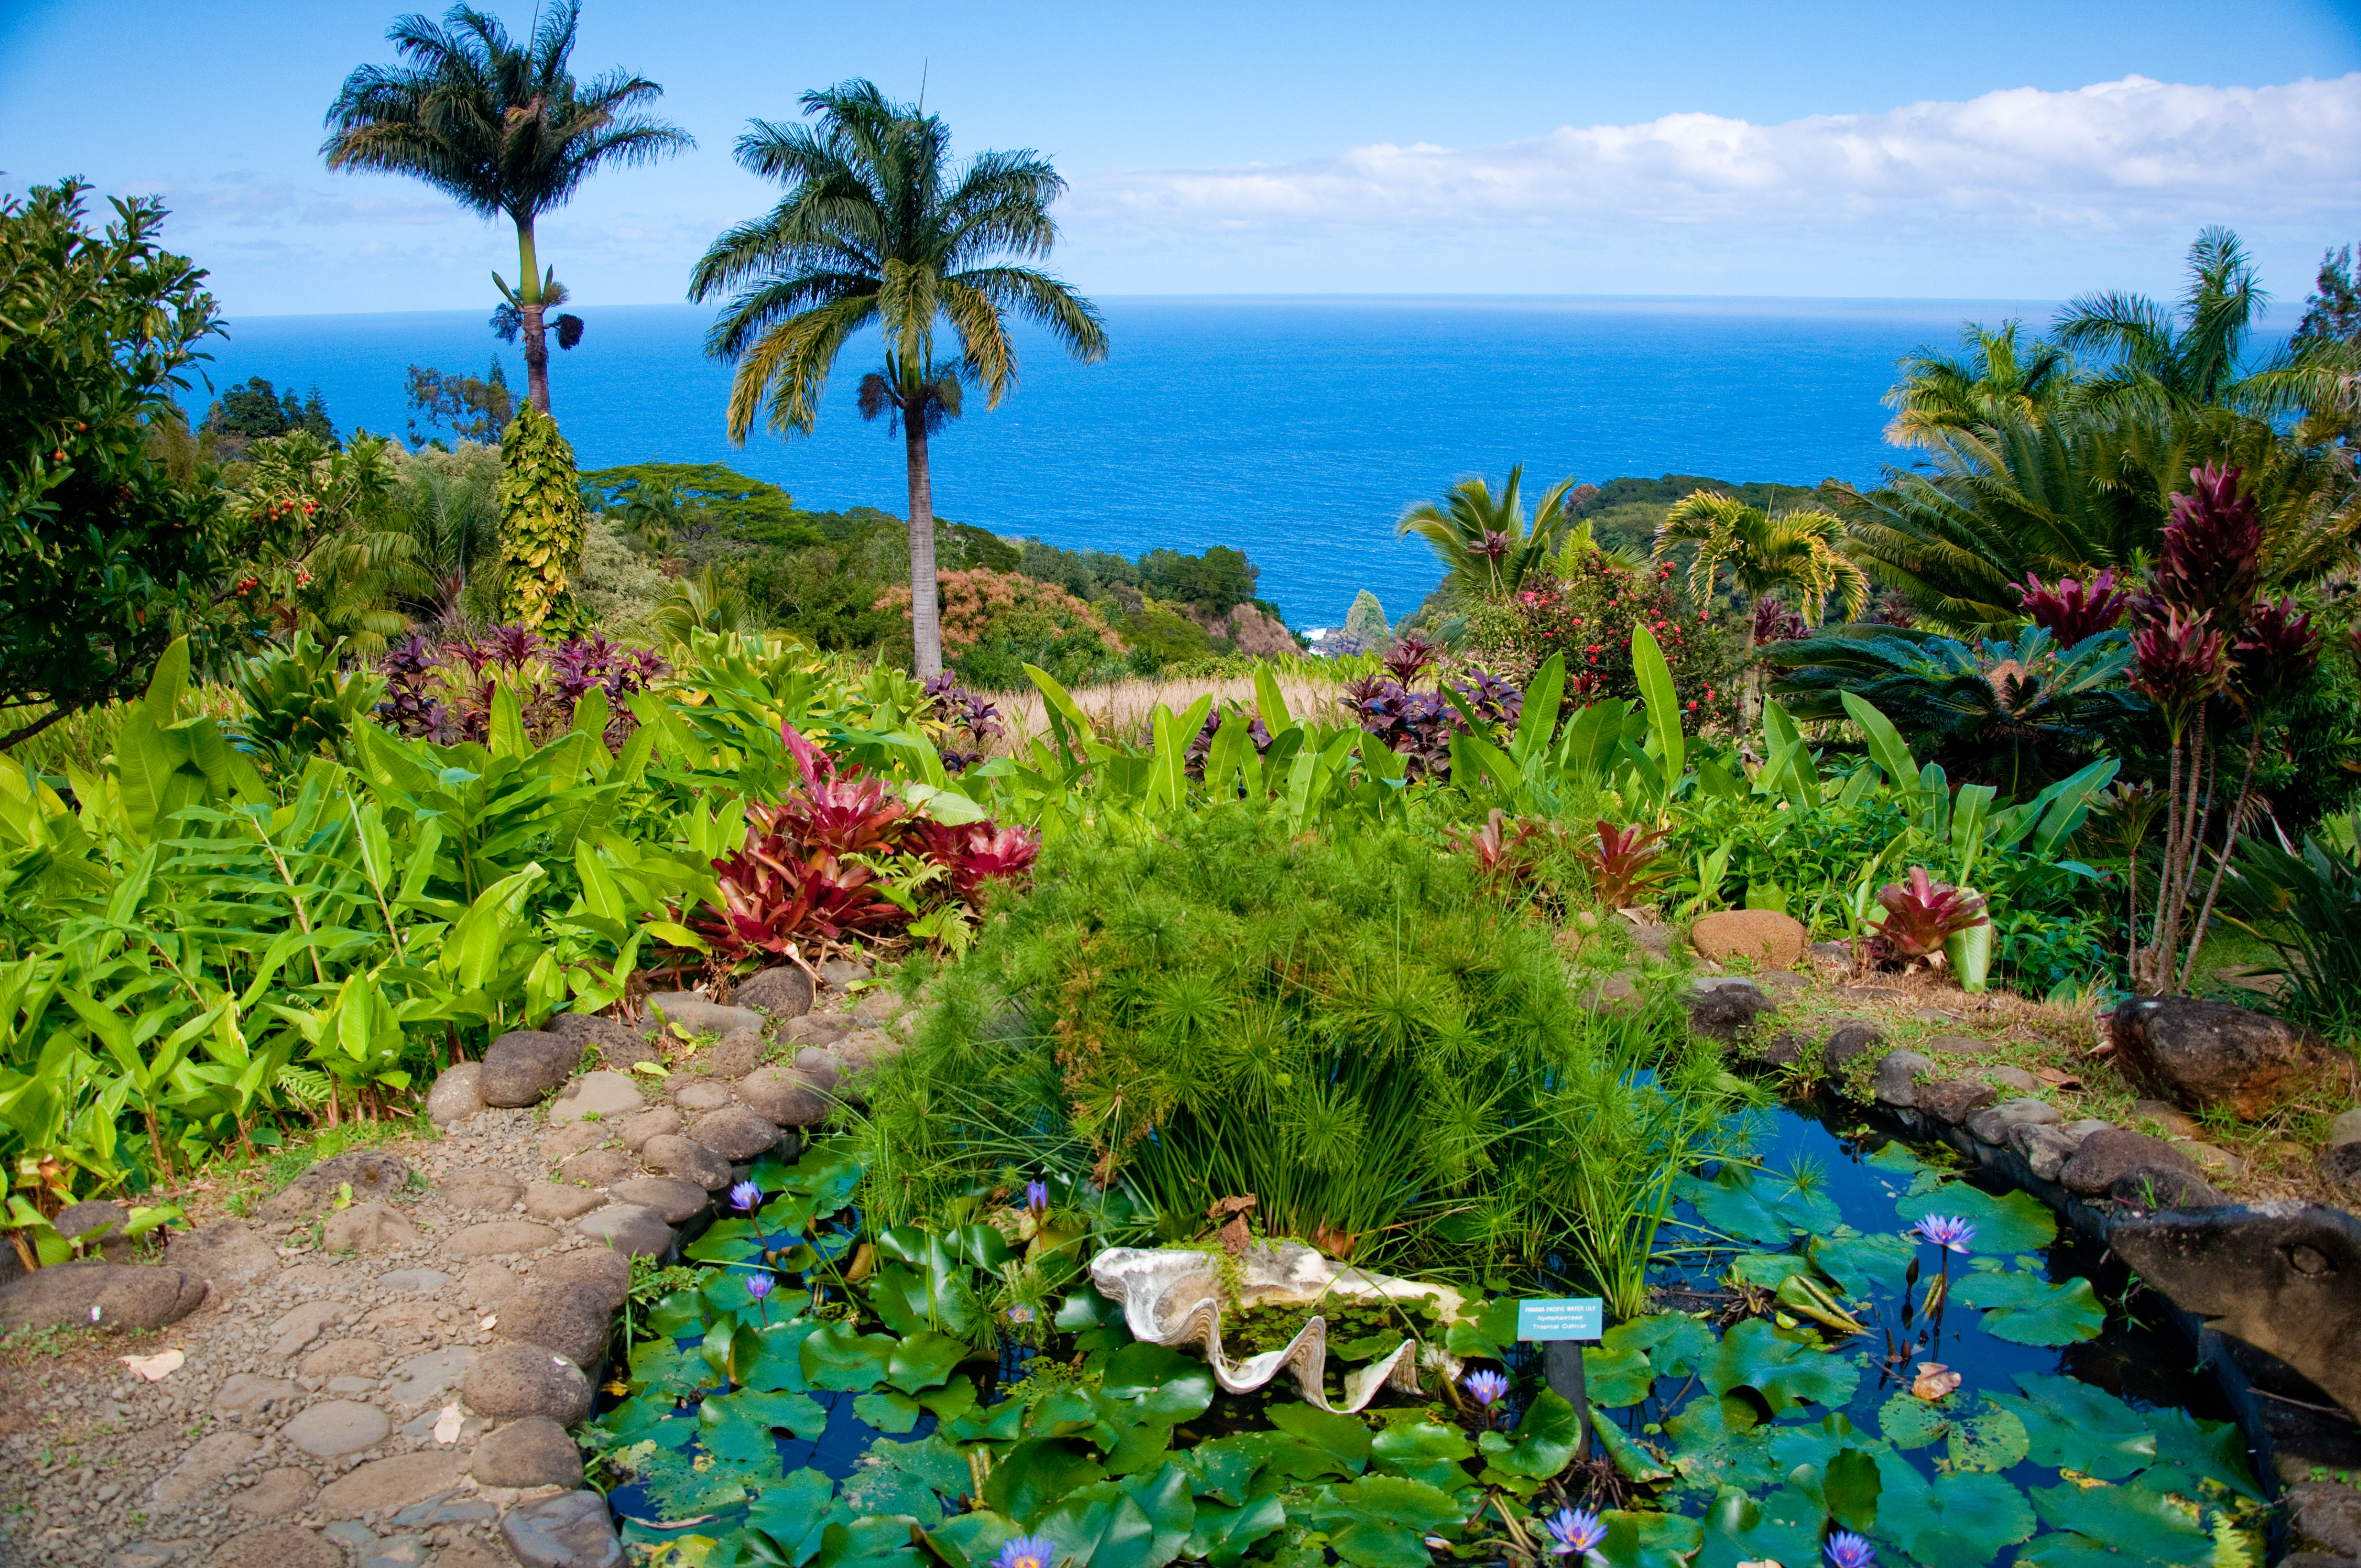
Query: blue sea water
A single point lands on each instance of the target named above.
(1295, 429)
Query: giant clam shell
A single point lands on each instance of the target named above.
(1173, 1296)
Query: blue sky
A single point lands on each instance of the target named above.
(2022, 149)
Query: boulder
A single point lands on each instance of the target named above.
(838, 974)
(383, 1484)
(606, 1272)
(654, 1122)
(2345, 1128)
(597, 1096)
(368, 1227)
(597, 1167)
(1785, 1049)
(2340, 1164)
(1954, 1100)
(689, 1160)
(2204, 1054)
(618, 1044)
(1724, 1007)
(569, 1316)
(2284, 1277)
(497, 1238)
(878, 1007)
(1764, 935)
(736, 1133)
(2164, 1118)
(1992, 1123)
(2325, 1515)
(2145, 1188)
(631, 1229)
(336, 1428)
(785, 1097)
(571, 1529)
(277, 1546)
(818, 1066)
(457, 1094)
(675, 1202)
(370, 1173)
(118, 1295)
(481, 1186)
(513, 1380)
(864, 1048)
(783, 990)
(524, 1065)
(698, 1014)
(2046, 1148)
(734, 1055)
(2013, 1078)
(223, 1252)
(1896, 1081)
(1958, 1046)
(95, 1218)
(2104, 1155)
(1851, 1038)
(533, 1451)
(819, 1028)
(695, 1096)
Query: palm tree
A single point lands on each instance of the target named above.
(1483, 539)
(1944, 391)
(502, 130)
(878, 229)
(1767, 553)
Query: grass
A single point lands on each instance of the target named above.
(1122, 711)
(246, 1183)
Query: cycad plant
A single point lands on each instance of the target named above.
(1997, 374)
(1483, 538)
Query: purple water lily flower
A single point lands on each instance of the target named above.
(745, 1197)
(1028, 1551)
(1575, 1529)
(759, 1285)
(1846, 1550)
(1945, 1230)
(1037, 1196)
(1487, 1389)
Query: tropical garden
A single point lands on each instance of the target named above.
(330, 758)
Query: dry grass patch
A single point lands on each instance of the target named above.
(1122, 712)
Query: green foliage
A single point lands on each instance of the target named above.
(541, 521)
(1364, 623)
(2307, 906)
(1589, 615)
(104, 556)
(714, 495)
(471, 408)
(256, 410)
(300, 704)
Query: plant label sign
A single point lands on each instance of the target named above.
(1570, 1317)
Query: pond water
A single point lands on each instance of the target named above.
(2079, 1430)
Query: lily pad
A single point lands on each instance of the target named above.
(2142, 1525)
(1957, 1521)
(923, 1360)
(737, 1427)
(1754, 1355)
(1676, 1345)
(1768, 1269)
(1615, 1377)
(909, 1478)
(887, 1411)
(1760, 1205)
(2193, 1455)
(1038, 1472)
(2013, 1222)
(1140, 1522)
(1342, 1436)
(973, 1538)
(2026, 1308)
(1635, 1462)
(1425, 1451)
(1159, 1384)
(1737, 1530)
(1380, 1522)
(1222, 1535)
(2072, 1426)
(1545, 1441)
(841, 1358)
(1650, 1540)
(1860, 1264)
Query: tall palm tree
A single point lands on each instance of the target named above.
(504, 131)
(879, 228)
(1484, 539)
(1946, 391)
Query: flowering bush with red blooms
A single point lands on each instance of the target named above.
(994, 623)
(1589, 616)
(844, 856)
(443, 691)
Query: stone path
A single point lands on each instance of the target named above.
(380, 1365)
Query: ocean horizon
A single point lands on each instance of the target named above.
(1294, 428)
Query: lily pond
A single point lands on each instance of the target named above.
(1818, 1370)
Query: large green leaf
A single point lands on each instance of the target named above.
(1655, 681)
(910, 1479)
(1159, 1384)
(1676, 1345)
(1738, 1529)
(1222, 1535)
(1760, 1206)
(924, 1360)
(1140, 1522)
(2073, 1426)
(1039, 1471)
(1425, 1451)
(1954, 1521)
(973, 1538)
(2013, 1222)
(1545, 1441)
(1755, 1354)
(2142, 1525)
(1381, 1521)
(2194, 1454)
(1615, 1377)
(737, 1427)
(1339, 1435)
(2026, 1308)
(1859, 1265)
(1636, 1462)
(839, 1356)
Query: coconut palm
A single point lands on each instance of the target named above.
(503, 129)
(1770, 554)
(1946, 391)
(1483, 538)
(879, 228)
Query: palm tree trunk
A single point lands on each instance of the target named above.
(537, 347)
(926, 616)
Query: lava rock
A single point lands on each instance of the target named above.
(818, 1066)
(819, 1028)
(863, 1049)
(368, 1227)
(698, 1014)
(496, 1237)
(571, 1529)
(736, 1133)
(1992, 1124)
(2284, 1277)
(1785, 1049)
(1724, 1007)
(654, 1122)
(2341, 1165)
(93, 1215)
(525, 1064)
(629, 1229)
(567, 1315)
(336, 1428)
(2326, 1514)
(277, 1546)
(688, 1159)
(223, 1252)
(597, 1167)
(2345, 1128)
(785, 1097)
(2104, 1155)
(1851, 1038)
(457, 1094)
(2046, 1148)
(2149, 1188)
(534, 1452)
(1954, 1100)
(783, 990)
(556, 1200)
(618, 1044)
(675, 1202)
(509, 1381)
(734, 1055)
(481, 1186)
(1897, 1080)
(122, 1295)
(695, 1096)
(371, 1173)
(383, 1484)
(2013, 1078)
(2202, 1054)
(837, 974)
(608, 1273)
(1763, 935)
(607, 1096)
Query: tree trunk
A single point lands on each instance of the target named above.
(529, 306)
(926, 615)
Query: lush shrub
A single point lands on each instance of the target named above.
(994, 623)
(1588, 616)
(443, 691)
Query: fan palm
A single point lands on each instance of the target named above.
(1943, 391)
(1769, 554)
(503, 129)
(1483, 539)
(878, 229)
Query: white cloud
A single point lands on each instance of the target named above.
(2107, 160)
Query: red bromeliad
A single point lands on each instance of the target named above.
(2072, 611)
(1622, 869)
(1921, 915)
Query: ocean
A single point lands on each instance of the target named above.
(1294, 429)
